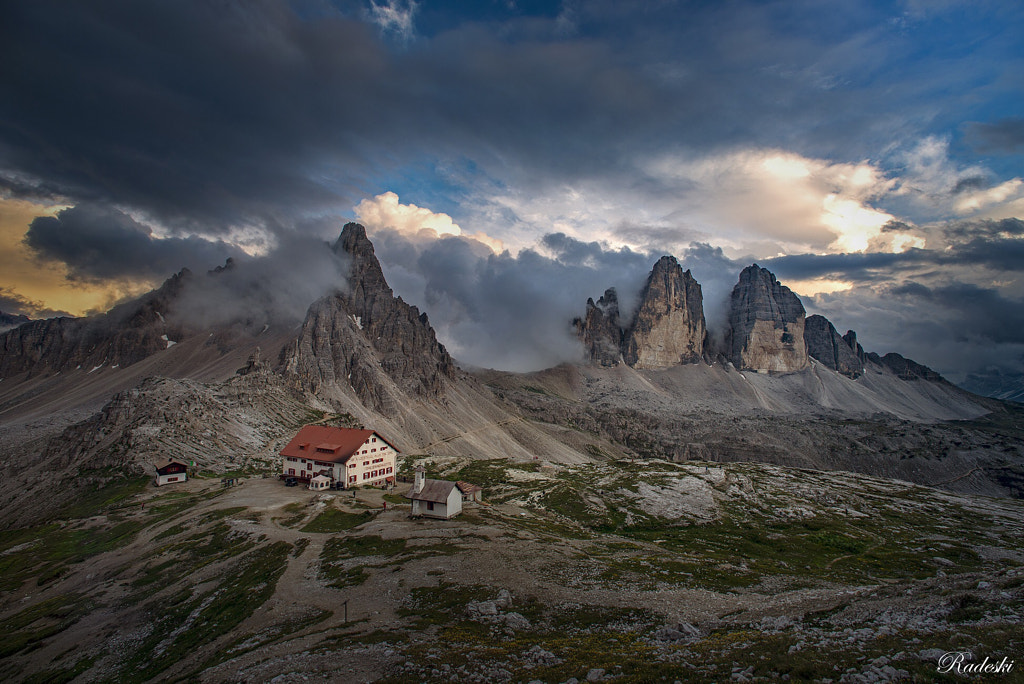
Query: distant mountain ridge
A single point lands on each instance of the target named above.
(767, 331)
(8, 321)
(656, 386)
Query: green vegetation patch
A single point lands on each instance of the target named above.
(442, 605)
(197, 620)
(173, 561)
(332, 520)
(112, 493)
(29, 628)
(62, 675)
(333, 568)
(279, 631)
(47, 551)
(296, 513)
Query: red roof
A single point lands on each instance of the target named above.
(340, 442)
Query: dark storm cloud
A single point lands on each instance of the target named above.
(99, 243)
(206, 115)
(193, 111)
(961, 231)
(514, 312)
(505, 311)
(972, 312)
(968, 245)
(1001, 137)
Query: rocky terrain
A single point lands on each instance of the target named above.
(718, 511)
(619, 571)
(126, 334)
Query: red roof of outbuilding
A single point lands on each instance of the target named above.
(343, 442)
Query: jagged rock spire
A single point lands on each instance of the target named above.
(766, 324)
(348, 338)
(668, 328)
(825, 344)
(600, 330)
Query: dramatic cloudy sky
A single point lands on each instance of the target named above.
(511, 158)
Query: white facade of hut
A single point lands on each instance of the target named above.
(434, 498)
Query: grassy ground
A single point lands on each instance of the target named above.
(193, 595)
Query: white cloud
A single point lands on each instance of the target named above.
(394, 16)
(1009, 194)
(758, 202)
(385, 211)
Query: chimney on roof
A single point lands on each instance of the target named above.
(417, 485)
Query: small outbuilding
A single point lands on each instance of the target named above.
(170, 471)
(434, 498)
(470, 492)
(320, 483)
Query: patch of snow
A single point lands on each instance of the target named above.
(170, 342)
(161, 317)
(98, 367)
(266, 327)
(358, 320)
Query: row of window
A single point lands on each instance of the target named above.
(369, 475)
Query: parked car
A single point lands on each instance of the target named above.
(291, 482)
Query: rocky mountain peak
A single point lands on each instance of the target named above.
(904, 368)
(124, 335)
(826, 345)
(668, 328)
(766, 324)
(363, 332)
(365, 276)
(851, 340)
(600, 330)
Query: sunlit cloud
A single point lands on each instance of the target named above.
(1010, 192)
(816, 286)
(386, 212)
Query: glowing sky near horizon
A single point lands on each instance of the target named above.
(870, 153)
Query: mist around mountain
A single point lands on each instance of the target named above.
(688, 494)
(8, 321)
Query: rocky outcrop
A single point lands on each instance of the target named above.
(904, 368)
(350, 337)
(851, 341)
(124, 335)
(600, 330)
(826, 345)
(669, 328)
(766, 324)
